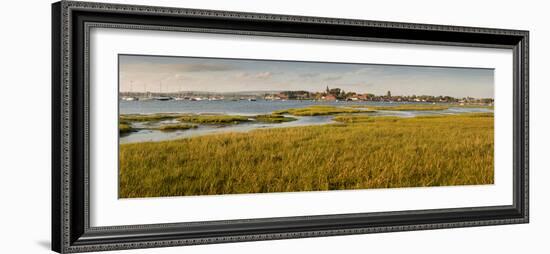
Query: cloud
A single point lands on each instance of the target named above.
(257, 75)
(263, 75)
(367, 70)
(364, 85)
(357, 85)
(203, 67)
(177, 77)
(332, 78)
(309, 75)
(171, 68)
(242, 75)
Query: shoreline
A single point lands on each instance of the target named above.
(146, 132)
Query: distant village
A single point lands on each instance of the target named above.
(337, 94)
(329, 94)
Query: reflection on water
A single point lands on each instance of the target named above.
(245, 108)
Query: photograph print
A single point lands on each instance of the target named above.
(193, 126)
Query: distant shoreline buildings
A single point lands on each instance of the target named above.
(329, 94)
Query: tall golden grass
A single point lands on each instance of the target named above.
(385, 153)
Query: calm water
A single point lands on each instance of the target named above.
(241, 107)
(244, 107)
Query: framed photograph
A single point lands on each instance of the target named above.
(182, 126)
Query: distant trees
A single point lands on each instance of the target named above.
(340, 94)
(335, 91)
(292, 95)
(487, 100)
(349, 94)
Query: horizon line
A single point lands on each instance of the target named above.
(259, 91)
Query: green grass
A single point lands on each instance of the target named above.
(175, 127)
(371, 119)
(473, 106)
(463, 115)
(384, 153)
(409, 107)
(365, 119)
(213, 119)
(124, 127)
(317, 111)
(274, 118)
(420, 107)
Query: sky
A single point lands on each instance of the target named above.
(174, 74)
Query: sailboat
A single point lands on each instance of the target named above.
(160, 97)
(130, 98)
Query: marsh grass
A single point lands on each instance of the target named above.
(371, 119)
(274, 118)
(213, 119)
(124, 127)
(355, 154)
(473, 106)
(318, 110)
(189, 121)
(409, 107)
(420, 107)
(175, 127)
(365, 119)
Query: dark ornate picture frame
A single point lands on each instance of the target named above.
(71, 23)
